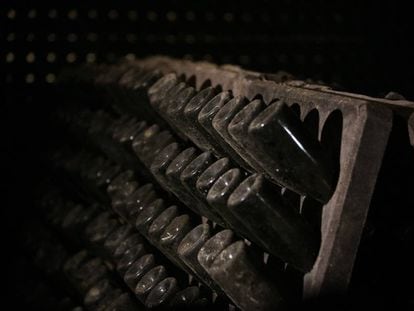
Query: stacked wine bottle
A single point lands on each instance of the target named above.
(195, 198)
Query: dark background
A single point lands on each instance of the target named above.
(365, 46)
(362, 46)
